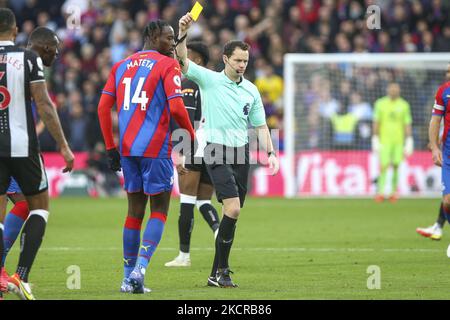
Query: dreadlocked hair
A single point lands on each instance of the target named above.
(155, 28)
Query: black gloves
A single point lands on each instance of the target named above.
(113, 159)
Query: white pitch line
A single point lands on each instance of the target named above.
(272, 250)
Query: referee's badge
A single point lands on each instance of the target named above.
(246, 109)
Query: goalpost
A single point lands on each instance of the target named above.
(328, 110)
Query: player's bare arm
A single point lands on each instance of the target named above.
(433, 135)
(266, 142)
(179, 160)
(40, 126)
(48, 114)
(181, 51)
(3, 204)
(408, 131)
(409, 142)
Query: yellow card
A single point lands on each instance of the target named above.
(196, 10)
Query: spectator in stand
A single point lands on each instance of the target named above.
(407, 43)
(383, 44)
(77, 128)
(342, 43)
(328, 105)
(361, 109)
(270, 83)
(443, 42)
(88, 63)
(343, 127)
(427, 42)
(27, 27)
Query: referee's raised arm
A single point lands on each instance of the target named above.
(181, 50)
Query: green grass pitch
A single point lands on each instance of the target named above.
(284, 249)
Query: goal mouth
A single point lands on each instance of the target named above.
(329, 104)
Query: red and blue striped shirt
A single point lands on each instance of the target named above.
(142, 86)
(442, 108)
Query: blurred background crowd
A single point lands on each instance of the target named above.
(97, 33)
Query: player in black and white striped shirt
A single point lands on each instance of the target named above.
(22, 79)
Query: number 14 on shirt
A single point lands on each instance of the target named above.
(139, 96)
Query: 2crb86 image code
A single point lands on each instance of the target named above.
(246, 309)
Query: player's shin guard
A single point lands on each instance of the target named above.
(225, 240)
(152, 235)
(13, 224)
(209, 213)
(131, 242)
(186, 221)
(30, 240)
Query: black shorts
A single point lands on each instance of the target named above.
(29, 172)
(204, 175)
(229, 176)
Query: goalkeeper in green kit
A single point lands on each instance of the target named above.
(392, 137)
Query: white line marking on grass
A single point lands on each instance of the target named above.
(293, 249)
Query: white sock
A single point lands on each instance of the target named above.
(184, 255)
(184, 198)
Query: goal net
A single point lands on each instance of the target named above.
(329, 104)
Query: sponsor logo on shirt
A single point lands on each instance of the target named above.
(177, 80)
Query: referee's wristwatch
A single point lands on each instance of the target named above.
(271, 153)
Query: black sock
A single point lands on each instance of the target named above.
(211, 216)
(441, 217)
(225, 240)
(2, 247)
(30, 241)
(185, 225)
(216, 260)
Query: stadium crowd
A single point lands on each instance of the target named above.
(97, 33)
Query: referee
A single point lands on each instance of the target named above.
(229, 103)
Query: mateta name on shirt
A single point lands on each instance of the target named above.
(141, 63)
